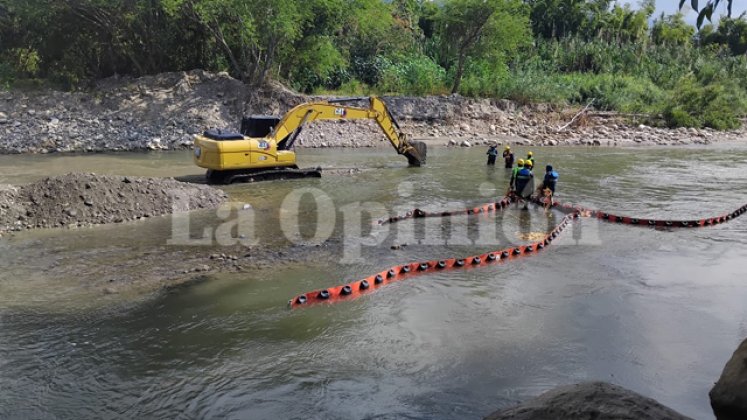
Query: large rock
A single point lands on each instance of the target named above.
(592, 401)
(729, 395)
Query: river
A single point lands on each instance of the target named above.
(656, 311)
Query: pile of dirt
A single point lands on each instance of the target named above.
(86, 199)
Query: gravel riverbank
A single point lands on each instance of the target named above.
(163, 112)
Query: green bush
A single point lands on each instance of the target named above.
(416, 75)
(528, 87)
(6, 75)
(621, 93)
(481, 78)
(716, 105)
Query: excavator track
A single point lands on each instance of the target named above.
(230, 177)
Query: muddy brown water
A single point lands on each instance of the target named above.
(656, 311)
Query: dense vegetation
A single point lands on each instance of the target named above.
(556, 51)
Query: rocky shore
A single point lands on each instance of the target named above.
(729, 394)
(589, 401)
(87, 199)
(604, 401)
(163, 112)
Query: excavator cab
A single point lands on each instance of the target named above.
(262, 126)
(258, 125)
(264, 147)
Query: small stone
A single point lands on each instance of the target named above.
(110, 291)
(465, 143)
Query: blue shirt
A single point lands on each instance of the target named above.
(524, 173)
(551, 178)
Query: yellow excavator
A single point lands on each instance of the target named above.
(264, 147)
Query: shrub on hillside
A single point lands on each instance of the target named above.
(620, 93)
(414, 75)
(527, 87)
(717, 105)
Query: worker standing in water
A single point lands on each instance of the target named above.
(512, 181)
(492, 154)
(548, 186)
(530, 158)
(508, 157)
(525, 183)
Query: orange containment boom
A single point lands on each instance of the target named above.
(409, 270)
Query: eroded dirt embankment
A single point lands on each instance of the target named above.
(166, 110)
(88, 199)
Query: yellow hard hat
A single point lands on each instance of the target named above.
(530, 153)
(520, 162)
(508, 147)
(528, 163)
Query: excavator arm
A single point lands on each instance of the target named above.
(290, 126)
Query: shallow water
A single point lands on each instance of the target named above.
(653, 310)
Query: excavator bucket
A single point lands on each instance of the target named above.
(416, 155)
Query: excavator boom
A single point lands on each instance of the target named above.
(294, 120)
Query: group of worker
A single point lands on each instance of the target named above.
(521, 183)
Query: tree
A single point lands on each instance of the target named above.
(731, 33)
(252, 34)
(408, 12)
(563, 18)
(480, 29)
(627, 25)
(672, 30)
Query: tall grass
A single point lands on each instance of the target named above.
(685, 86)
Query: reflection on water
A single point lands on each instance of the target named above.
(656, 311)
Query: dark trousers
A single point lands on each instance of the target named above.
(491, 160)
